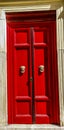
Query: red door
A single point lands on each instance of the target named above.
(41, 84)
(31, 80)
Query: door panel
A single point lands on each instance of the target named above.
(22, 79)
(22, 36)
(22, 87)
(38, 36)
(40, 77)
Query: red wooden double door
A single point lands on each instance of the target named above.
(32, 73)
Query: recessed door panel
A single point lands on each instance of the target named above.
(22, 78)
(21, 36)
(40, 79)
(38, 36)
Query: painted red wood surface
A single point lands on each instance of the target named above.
(33, 95)
(42, 114)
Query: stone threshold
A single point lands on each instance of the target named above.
(31, 127)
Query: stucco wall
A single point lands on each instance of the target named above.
(30, 6)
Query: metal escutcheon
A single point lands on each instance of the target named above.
(22, 69)
(41, 68)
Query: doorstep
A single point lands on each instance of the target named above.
(31, 127)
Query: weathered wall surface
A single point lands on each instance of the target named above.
(30, 6)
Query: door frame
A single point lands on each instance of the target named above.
(39, 16)
(23, 7)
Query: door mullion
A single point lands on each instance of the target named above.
(33, 101)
